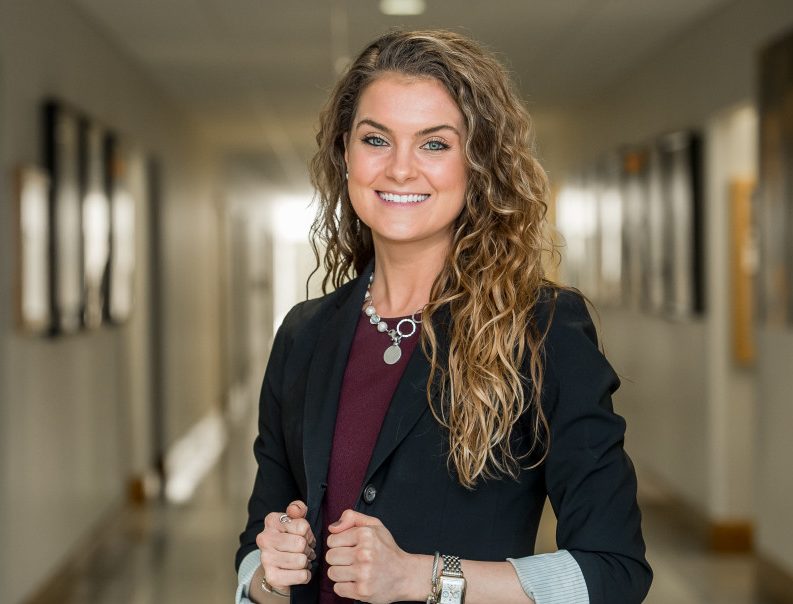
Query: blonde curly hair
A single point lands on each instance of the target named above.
(493, 276)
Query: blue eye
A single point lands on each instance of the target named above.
(375, 141)
(435, 145)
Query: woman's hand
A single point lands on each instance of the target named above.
(365, 562)
(287, 548)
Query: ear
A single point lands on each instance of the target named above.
(346, 139)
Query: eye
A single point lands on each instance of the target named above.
(374, 140)
(435, 145)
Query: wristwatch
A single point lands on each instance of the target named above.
(451, 582)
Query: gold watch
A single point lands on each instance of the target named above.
(451, 582)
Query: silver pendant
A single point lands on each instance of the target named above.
(392, 354)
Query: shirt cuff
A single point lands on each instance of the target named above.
(248, 567)
(552, 578)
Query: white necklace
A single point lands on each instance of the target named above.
(393, 353)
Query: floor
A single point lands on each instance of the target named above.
(168, 554)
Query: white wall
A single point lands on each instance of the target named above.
(690, 413)
(67, 405)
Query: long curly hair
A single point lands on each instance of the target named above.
(491, 375)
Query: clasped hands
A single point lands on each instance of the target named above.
(364, 561)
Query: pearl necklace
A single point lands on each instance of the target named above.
(393, 353)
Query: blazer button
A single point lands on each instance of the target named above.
(369, 493)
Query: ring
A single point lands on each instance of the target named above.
(284, 519)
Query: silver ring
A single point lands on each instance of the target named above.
(284, 519)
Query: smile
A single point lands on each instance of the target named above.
(409, 198)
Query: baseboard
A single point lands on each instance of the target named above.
(731, 536)
(136, 490)
(774, 584)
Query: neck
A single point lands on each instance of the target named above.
(404, 274)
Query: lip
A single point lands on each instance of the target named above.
(402, 193)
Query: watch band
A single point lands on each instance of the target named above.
(451, 583)
(452, 566)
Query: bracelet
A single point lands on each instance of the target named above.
(431, 598)
(270, 589)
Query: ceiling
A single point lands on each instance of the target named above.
(251, 71)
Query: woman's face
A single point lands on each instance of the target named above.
(404, 154)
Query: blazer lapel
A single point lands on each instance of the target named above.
(323, 385)
(409, 402)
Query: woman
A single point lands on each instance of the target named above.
(389, 471)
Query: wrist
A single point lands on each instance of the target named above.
(417, 578)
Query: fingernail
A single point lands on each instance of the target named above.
(335, 524)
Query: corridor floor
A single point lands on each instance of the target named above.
(169, 554)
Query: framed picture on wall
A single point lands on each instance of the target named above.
(122, 234)
(33, 304)
(62, 134)
(680, 176)
(96, 223)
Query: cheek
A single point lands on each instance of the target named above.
(363, 165)
(451, 178)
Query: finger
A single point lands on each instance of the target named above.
(342, 574)
(346, 590)
(340, 556)
(278, 577)
(348, 538)
(284, 560)
(303, 529)
(269, 540)
(297, 509)
(273, 521)
(288, 543)
(351, 518)
(299, 526)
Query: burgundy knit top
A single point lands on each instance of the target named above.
(366, 391)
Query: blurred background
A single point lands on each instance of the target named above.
(153, 233)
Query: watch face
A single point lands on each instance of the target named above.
(452, 590)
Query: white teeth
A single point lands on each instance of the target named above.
(402, 198)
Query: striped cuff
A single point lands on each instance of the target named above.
(552, 578)
(248, 567)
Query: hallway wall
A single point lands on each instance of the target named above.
(690, 413)
(74, 411)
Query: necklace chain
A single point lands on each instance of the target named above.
(393, 353)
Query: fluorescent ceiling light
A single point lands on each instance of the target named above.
(402, 7)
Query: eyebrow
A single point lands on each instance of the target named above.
(423, 132)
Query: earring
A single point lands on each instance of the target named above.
(346, 176)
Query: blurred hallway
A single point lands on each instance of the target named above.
(154, 215)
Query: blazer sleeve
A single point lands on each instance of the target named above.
(591, 481)
(275, 486)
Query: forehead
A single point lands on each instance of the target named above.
(413, 103)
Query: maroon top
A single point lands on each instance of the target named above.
(366, 391)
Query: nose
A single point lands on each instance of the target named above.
(401, 166)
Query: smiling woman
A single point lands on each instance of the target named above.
(389, 471)
(406, 167)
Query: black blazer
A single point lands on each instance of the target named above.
(409, 487)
